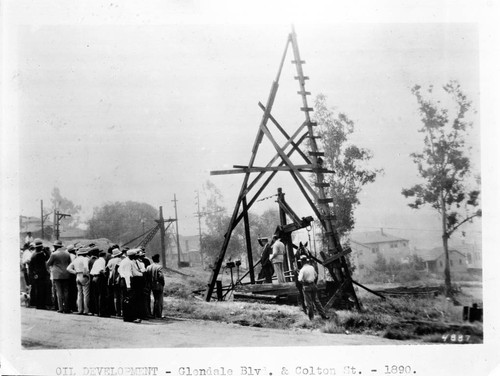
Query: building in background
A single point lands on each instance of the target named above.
(34, 225)
(368, 246)
(434, 260)
(190, 250)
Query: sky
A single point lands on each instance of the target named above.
(144, 112)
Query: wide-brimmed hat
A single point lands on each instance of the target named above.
(132, 252)
(116, 252)
(38, 242)
(82, 251)
(58, 244)
(262, 241)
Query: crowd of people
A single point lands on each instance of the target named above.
(92, 281)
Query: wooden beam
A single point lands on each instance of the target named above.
(367, 289)
(246, 170)
(306, 195)
(280, 128)
(247, 237)
(336, 256)
(276, 156)
(287, 161)
(243, 190)
(334, 296)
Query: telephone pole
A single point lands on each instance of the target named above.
(41, 218)
(58, 216)
(177, 233)
(161, 223)
(198, 214)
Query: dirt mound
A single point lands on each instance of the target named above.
(102, 243)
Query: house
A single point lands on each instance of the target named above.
(434, 260)
(474, 255)
(190, 250)
(33, 225)
(367, 246)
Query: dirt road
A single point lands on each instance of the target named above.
(49, 329)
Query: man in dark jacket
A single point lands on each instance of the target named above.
(267, 269)
(39, 276)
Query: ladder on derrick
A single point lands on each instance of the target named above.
(334, 259)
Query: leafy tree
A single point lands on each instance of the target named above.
(264, 226)
(66, 206)
(347, 160)
(217, 222)
(380, 264)
(444, 164)
(121, 222)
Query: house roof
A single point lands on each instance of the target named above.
(434, 253)
(370, 237)
(466, 248)
(32, 224)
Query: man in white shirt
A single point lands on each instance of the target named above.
(29, 238)
(99, 281)
(131, 274)
(277, 259)
(114, 280)
(80, 267)
(308, 276)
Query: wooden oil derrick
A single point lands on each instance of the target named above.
(148, 235)
(334, 259)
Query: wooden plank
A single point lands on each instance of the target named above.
(287, 161)
(322, 185)
(282, 130)
(334, 296)
(306, 109)
(244, 170)
(317, 153)
(367, 289)
(336, 256)
(325, 200)
(301, 78)
(329, 217)
(323, 170)
(242, 295)
(247, 238)
(304, 92)
(300, 61)
(276, 156)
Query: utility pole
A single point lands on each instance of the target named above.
(177, 232)
(198, 214)
(54, 221)
(161, 223)
(58, 216)
(41, 218)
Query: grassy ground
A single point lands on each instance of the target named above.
(430, 319)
